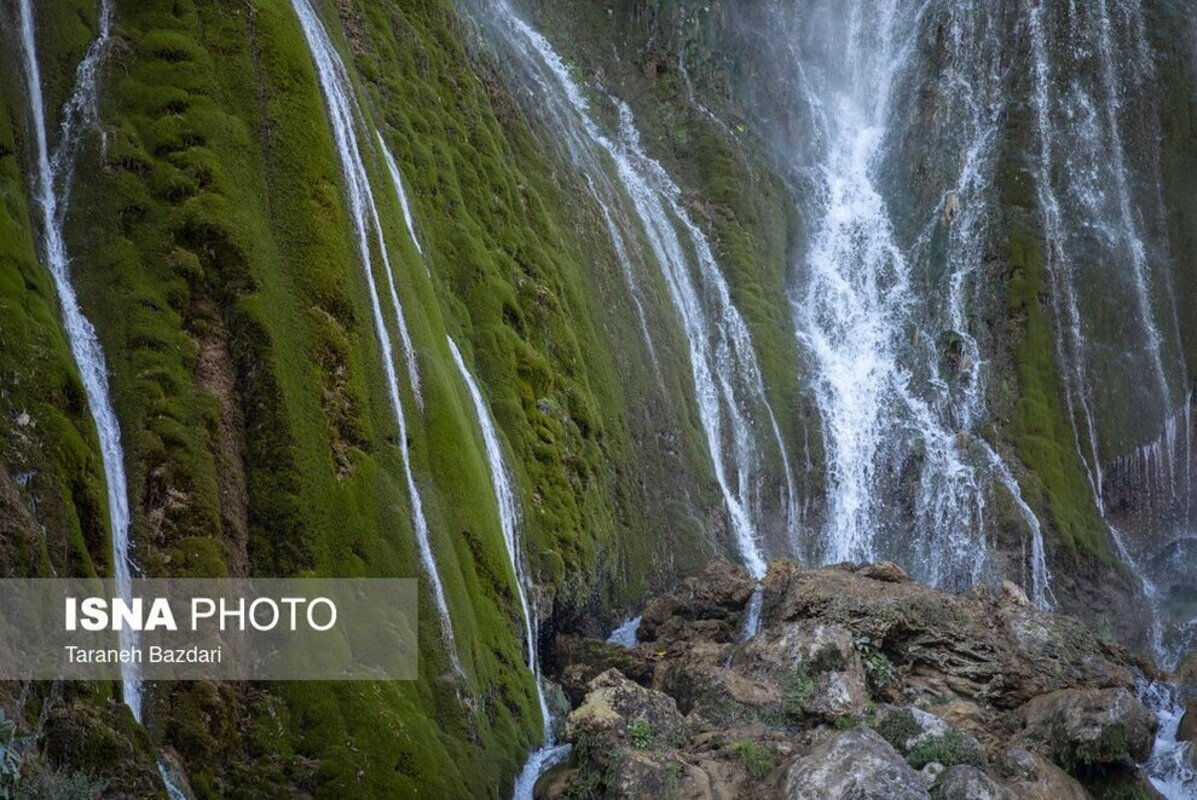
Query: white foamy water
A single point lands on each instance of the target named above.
(885, 317)
(627, 634)
(346, 121)
(550, 753)
(52, 190)
(1170, 767)
(397, 181)
(509, 521)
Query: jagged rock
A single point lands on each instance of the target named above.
(641, 774)
(708, 606)
(823, 657)
(957, 675)
(1013, 594)
(616, 710)
(1033, 777)
(973, 646)
(1088, 727)
(858, 764)
(886, 571)
(966, 782)
(923, 738)
(589, 658)
(717, 692)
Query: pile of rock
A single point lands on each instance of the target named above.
(860, 684)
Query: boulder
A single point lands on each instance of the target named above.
(640, 774)
(589, 658)
(816, 665)
(886, 571)
(858, 764)
(719, 694)
(1088, 727)
(618, 712)
(1032, 777)
(966, 782)
(922, 738)
(708, 606)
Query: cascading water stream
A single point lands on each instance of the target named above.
(397, 181)
(1083, 165)
(54, 174)
(1170, 768)
(345, 119)
(884, 321)
(626, 181)
(550, 753)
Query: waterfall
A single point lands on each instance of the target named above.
(629, 185)
(54, 174)
(345, 119)
(1084, 167)
(550, 753)
(397, 181)
(1170, 767)
(884, 286)
(627, 633)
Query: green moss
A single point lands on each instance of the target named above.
(949, 750)
(756, 760)
(1039, 428)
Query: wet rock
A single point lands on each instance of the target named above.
(951, 207)
(589, 658)
(857, 764)
(1088, 727)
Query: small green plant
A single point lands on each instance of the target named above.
(798, 687)
(845, 723)
(950, 749)
(641, 734)
(10, 757)
(879, 670)
(756, 760)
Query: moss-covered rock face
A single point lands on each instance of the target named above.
(213, 249)
(211, 246)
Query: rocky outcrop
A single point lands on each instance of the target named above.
(857, 763)
(859, 684)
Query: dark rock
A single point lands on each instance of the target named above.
(858, 764)
(589, 658)
(708, 606)
(1088, 727)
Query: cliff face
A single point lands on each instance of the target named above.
(214, 249)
